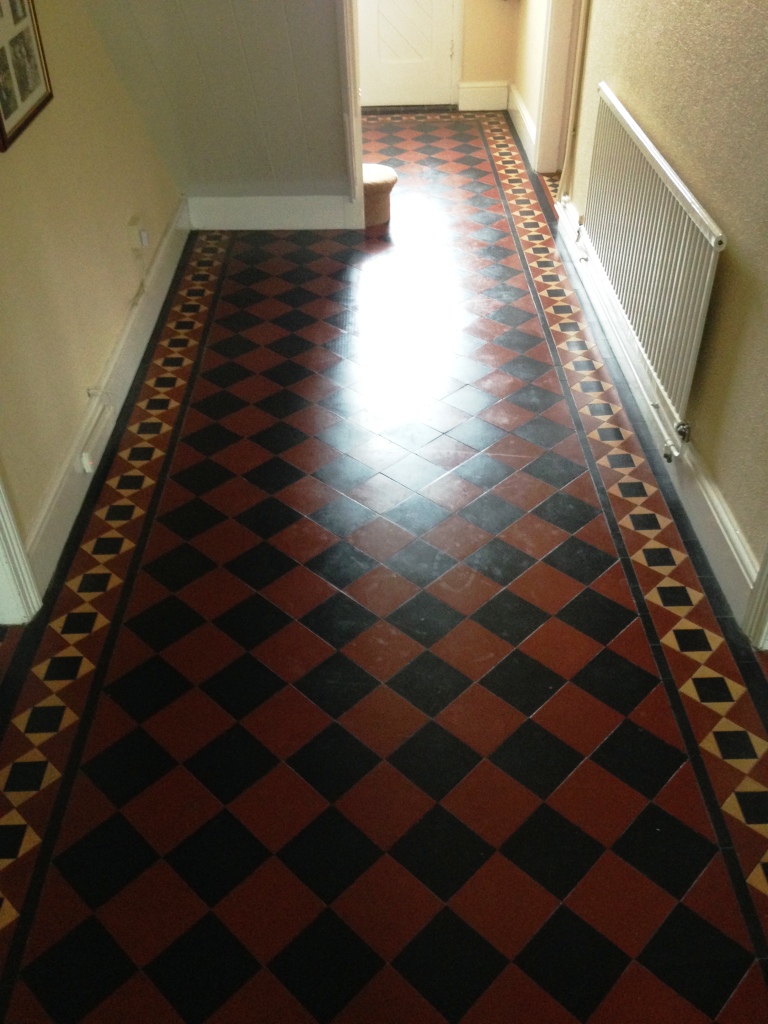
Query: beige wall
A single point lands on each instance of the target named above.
(490, 33)
(243, 98)
(695, 76)
(529, 54)
(70, 184)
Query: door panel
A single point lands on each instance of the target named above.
(406, 51)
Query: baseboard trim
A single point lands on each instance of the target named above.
(483, 95)
(50, 531)
(263, 213)
(525, 124)
(732, 560)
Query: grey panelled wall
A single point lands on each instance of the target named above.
(243, 97)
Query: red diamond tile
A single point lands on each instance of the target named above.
(546, 587)
(234, 496)
(384, 804)
(597, 802)
(464, 589)
(386, 999)
(215, 593)
(506, 415)
(621, 903)
(387, 907)
(516, 452)
(269, 909)
(749, 1003)
(655, 715)
(299, 591)
(278, 806)
(378, 453)
(382, 590)
(532, 1005)
(275, 1004)
(491, 803)
(577, 718)
(306, 496)
(498, 383)
(471, 649)
(534, 536)
(303, 540)
(711, 896)
(151, 912)
(451, 492)
(60, 911)
(613, 584)
(293, 652)
(202, 653)
(137, 999)
(286, 722)
(313, 420)
(380, 539)
(596, 532)
(504, 905)
(682, 798)
(457, 537)
(225, 541)
(192, 805)
(560, 647)
(480, 719)
(380, 493)
(382, 650)
(188, 724)
(639, 997)
(633, 645)
(383, 720)
(447, 452)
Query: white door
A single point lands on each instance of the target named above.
(406, 52)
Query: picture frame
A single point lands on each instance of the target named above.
(25, 87)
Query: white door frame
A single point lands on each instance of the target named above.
(20, 598)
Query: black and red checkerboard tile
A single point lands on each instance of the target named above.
(382, 686)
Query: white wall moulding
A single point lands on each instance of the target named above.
(273, 213)
(50, 531)
(483, 95)
(19, 593)
(524, 122)
(756, 618)
(732, 559)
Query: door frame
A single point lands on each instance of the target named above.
(20, 598)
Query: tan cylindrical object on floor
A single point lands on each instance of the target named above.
(378, 181)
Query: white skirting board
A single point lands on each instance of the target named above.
(264, 213)
(524, 122)
(732, 559)
(50, 532)
(483, 95)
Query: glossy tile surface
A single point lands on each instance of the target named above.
(381, 686)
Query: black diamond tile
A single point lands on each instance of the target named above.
(344, 516)
(341, 564)
(268, 517)
(227, 374)
(239, 322)
(108, 545)
(261, 565)
(491, 513)
(295, 320)
(242, 686)
(164, 623)
(524, 367)
(203, 476)
(514, 340)
(734, 744)
(543, 432)
(582, 979)
(483, 471)
(616, 681)
(191, 519)
(476, 433)
(242, 298)
(554, 469)
(421, 563)
(287, 373)
(344, 401)
(667, 851)
(180, 566)
(279, 437)
(125, 769)
(675, 597)
(326, 966)
(11, 840)
(337, 685)
(596, 616)
(293, 345)
(425, 618)
(252, 621)
(77, 973)
(104, 861)
(500, 561)
(435, 760)
(339, 620)
(417, 514)
(233, 346)
(565, 511)
(644, 521)
(523, 682)
(273, 475)
(344, 473)
(202, 969)
(199, 860)
(24, 777)
(148, 688)
(450, 964)
(552, 850)
(692, 640)
(44, 720)
(429, 683)
(415, 435)
(219, 405)
(345, 435)
(333, 761)
(211, 439)
(329, 854)
(231, 763)
(696, 960)
(510, 617)
(658, 557)
(282, 404)
(712, 690)
(536, 758)
(533, 398)
(441, 852)
(638, 758)
(582, 561)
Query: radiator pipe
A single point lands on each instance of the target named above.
(575, 104)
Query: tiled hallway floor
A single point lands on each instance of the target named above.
(381, 688)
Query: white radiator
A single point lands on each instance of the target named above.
(657, 250)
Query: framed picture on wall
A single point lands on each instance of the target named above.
(24, 84)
